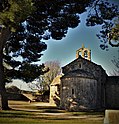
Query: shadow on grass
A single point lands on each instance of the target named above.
(87, 113)
(33, 107)
(54, 111)
(26, 115)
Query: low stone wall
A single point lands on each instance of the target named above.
(111, 117)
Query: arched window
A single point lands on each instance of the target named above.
(80, 65)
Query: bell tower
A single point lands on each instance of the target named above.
(84, 53)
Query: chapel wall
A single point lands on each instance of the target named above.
(112, 92)
(78, 93)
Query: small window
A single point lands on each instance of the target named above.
(80, 65)
(72, 91)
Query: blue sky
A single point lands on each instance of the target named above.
(65, 50)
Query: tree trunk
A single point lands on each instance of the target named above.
(4, 35)
(3, 95)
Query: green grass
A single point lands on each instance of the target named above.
(87, 113)
(38, 117)
(31, 121)
(24, 117)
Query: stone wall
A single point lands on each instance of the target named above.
(111, 117)
(78, 93)
(112, 92)
(53, 90)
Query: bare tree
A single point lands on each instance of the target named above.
(38, 85)
(54, 70)
(43, 82)
(115, 62)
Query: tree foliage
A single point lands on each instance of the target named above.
(14, 11)
(113, 35)
(103, 13)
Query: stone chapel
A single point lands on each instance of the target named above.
(84, 85)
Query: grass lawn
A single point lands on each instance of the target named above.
(47, 116)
